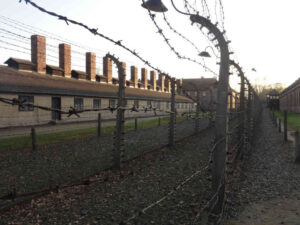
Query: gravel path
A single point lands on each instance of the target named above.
(112, 197)
(50, 166)
(269, 190)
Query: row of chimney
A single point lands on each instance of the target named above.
(38, 58)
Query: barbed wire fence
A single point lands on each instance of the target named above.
(240, 132)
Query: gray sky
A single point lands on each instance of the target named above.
(264, 34)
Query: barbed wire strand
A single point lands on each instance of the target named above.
(95, 32)
(186, 6)
(179, 34)
(77, 112)
(172, 48)
(143, 211)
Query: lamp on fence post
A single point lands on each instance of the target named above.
(219, 153)
(206, 54)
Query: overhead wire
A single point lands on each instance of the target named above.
(95, 32)
(172, 48)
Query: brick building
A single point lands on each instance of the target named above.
(208, 92)
(61, 87)
(273, 99)
(289, 98)
(207, 89)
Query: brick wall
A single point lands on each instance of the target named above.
(289, 99)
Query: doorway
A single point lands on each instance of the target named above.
(56, 104)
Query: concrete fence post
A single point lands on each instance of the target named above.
(135, 123)
(99, 125)
(197, 119)
(242, 114)
(279, 125)
(285, 126)
(172, 115)
(249, 113)
(120, 127)
(297, 147)
(33, 139)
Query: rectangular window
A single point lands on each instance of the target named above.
(78, 103)
(168, 105)
(26, 99)
(148, 103)
(157, 105)
(112, 103)
(97, 103)
(204, 94)
(136, 103)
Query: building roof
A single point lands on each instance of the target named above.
(200, 83)
(293, 85)
(54, 68)
(15, 81)
(273, 92)
(19, 61)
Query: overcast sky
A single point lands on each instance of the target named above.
(264, 34)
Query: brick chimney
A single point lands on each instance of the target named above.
(107, 69)
(179, 86)
(153, 79)
(134, 75)
(65, 59)
(145, 77)
(168, 85)
(38, 53)
(124, 69)
(90, 62)
(161, 81)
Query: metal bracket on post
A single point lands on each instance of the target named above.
(172, 122)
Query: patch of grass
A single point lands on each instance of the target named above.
(293, 120)
(60, 137)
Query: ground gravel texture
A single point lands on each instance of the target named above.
(268, 189)
(113, 197)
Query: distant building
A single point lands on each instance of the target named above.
(207, 88)
(208, 92)
(273, 99)
(61, 88)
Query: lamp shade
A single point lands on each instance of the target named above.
(204, 54)
(155, 5)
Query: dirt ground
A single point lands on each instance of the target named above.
(112, 197)
(269, 192)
